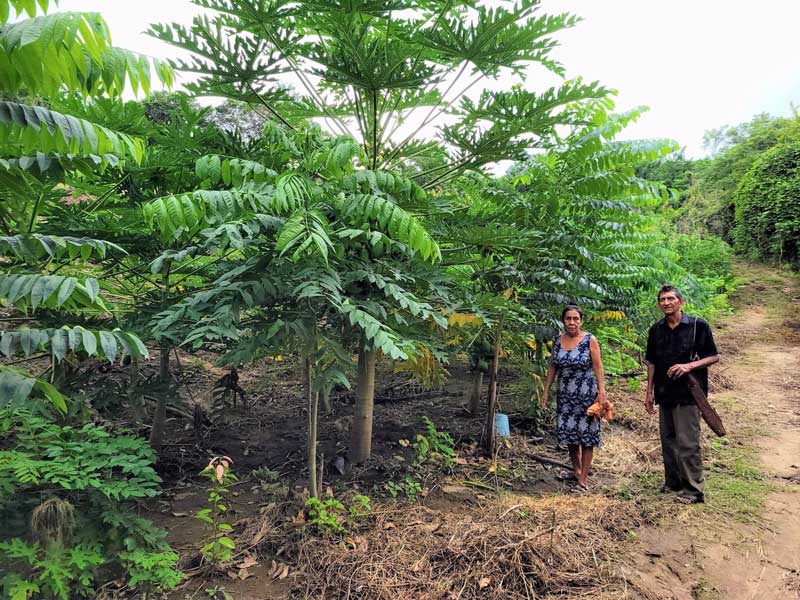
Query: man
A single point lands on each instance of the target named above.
(676, 345)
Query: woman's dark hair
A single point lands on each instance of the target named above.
(570, 307)
(669, 288)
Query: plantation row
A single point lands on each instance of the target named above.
(348, 219)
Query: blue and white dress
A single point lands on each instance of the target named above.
(576, 391)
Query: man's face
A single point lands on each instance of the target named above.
(669, 303)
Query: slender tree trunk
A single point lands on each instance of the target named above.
(313, 414)
(160, 415)
(474, 392)
(157, 431)
(361, 430)
(489, 436)
(135, 397)
(326, 403)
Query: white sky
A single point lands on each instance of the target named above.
(698, 64)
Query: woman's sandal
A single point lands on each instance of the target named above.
(565, 475)
(580, 488)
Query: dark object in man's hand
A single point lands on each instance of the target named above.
(710, 415)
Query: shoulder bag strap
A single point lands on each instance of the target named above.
(694, 355)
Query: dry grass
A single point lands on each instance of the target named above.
(519, 547)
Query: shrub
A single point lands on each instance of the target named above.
(76, 486)
(768, 206)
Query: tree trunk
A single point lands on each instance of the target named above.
(489, 436)
(474, 392)
(163, 363)
(361, 430)
(326, 402)
(157, 431)
(135, 397)
(313, 414)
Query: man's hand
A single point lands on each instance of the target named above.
(678, 371)
(648, 403)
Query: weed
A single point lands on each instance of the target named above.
(265, 475)
(219, 550)
(435, 445)
(331, 517)
(410, 488)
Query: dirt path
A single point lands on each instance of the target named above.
(713, 553)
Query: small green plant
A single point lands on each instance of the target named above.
(435, 445)
(52, 571)
(265, 475)
(331, 517)
(219, 550)
(410, 488)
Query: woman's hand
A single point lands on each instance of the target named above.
(545, 395)
(602, 398)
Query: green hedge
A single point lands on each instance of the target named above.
(768, 206)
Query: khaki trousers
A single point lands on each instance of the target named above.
(680, 446)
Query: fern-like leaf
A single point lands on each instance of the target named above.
(35, 247)
(398, 223)
(25, 129)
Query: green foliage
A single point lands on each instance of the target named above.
(52, 571)
(409, 487)
(434, 445)
(25, 129)
(768, 206)
(331, 517)
(18, 387)
(58, 342)
(35, 247)
(218, 551)
(96, 475)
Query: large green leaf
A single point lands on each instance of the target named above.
(47, 54)
(35, 247)
(398, 223)
(25, 129)
(176, 216)
(18, 387)
(32, 291)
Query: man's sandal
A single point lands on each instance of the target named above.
(688, 500)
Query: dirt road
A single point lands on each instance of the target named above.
(711, 552)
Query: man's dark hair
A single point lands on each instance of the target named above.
(669, 288)
(570, 307)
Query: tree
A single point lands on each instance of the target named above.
(382, 75)
(43, 56)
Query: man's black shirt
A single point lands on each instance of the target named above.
(667, 347)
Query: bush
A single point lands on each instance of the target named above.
(768, 206)
(66, 502)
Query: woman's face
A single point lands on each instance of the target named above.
(572, 321)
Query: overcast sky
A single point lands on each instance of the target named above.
(697, 64)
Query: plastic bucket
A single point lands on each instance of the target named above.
(501, 425)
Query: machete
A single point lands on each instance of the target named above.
(710, 416)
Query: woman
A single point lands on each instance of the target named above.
(576, 360)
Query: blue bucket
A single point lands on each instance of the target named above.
(501, 425)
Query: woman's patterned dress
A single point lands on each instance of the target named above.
(576, 391)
